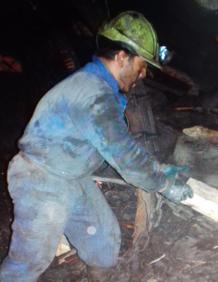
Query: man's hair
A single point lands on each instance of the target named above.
(107, 48)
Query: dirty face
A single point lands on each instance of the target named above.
(132, 70)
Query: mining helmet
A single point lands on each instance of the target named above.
(133, 31)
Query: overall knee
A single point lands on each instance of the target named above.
(102, 253)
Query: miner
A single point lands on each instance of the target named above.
(76, 126)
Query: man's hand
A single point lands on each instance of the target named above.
(178, 191)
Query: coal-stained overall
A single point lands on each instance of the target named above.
(75, 127)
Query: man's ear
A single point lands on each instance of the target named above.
(120, 57)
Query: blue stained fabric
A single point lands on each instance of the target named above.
(75, 127)
(98, 68)
(78, 124)
(48, 206)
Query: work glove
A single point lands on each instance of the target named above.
(177, 191)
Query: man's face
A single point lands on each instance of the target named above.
(133, 69)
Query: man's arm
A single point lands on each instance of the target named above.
(101, 123)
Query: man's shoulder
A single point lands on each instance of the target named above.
(79, 87)
(88, 83)
(84, 77)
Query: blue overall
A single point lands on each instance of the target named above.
(75, 127)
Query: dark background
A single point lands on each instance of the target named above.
(51, 39)
(41, 35)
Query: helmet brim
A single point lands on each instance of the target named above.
(153, 63)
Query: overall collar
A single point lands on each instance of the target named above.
(98, 68)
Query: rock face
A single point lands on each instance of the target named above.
(200, 156)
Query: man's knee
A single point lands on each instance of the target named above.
(103, 252)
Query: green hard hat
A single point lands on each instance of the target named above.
(133, 30)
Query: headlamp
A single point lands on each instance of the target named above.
(164, 55)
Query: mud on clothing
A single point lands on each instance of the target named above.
(75, 127)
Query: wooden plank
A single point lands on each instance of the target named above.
(205, 199)
(63, 247)
(202, 133)
(142, 216)
(110, 179)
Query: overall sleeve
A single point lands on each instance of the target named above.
(101, 123)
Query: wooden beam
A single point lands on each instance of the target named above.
(205, 199)
(110, 179)
(143, 217)
(63, 247)
(202, 133)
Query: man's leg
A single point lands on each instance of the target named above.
(92, 227)
(40, 210)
